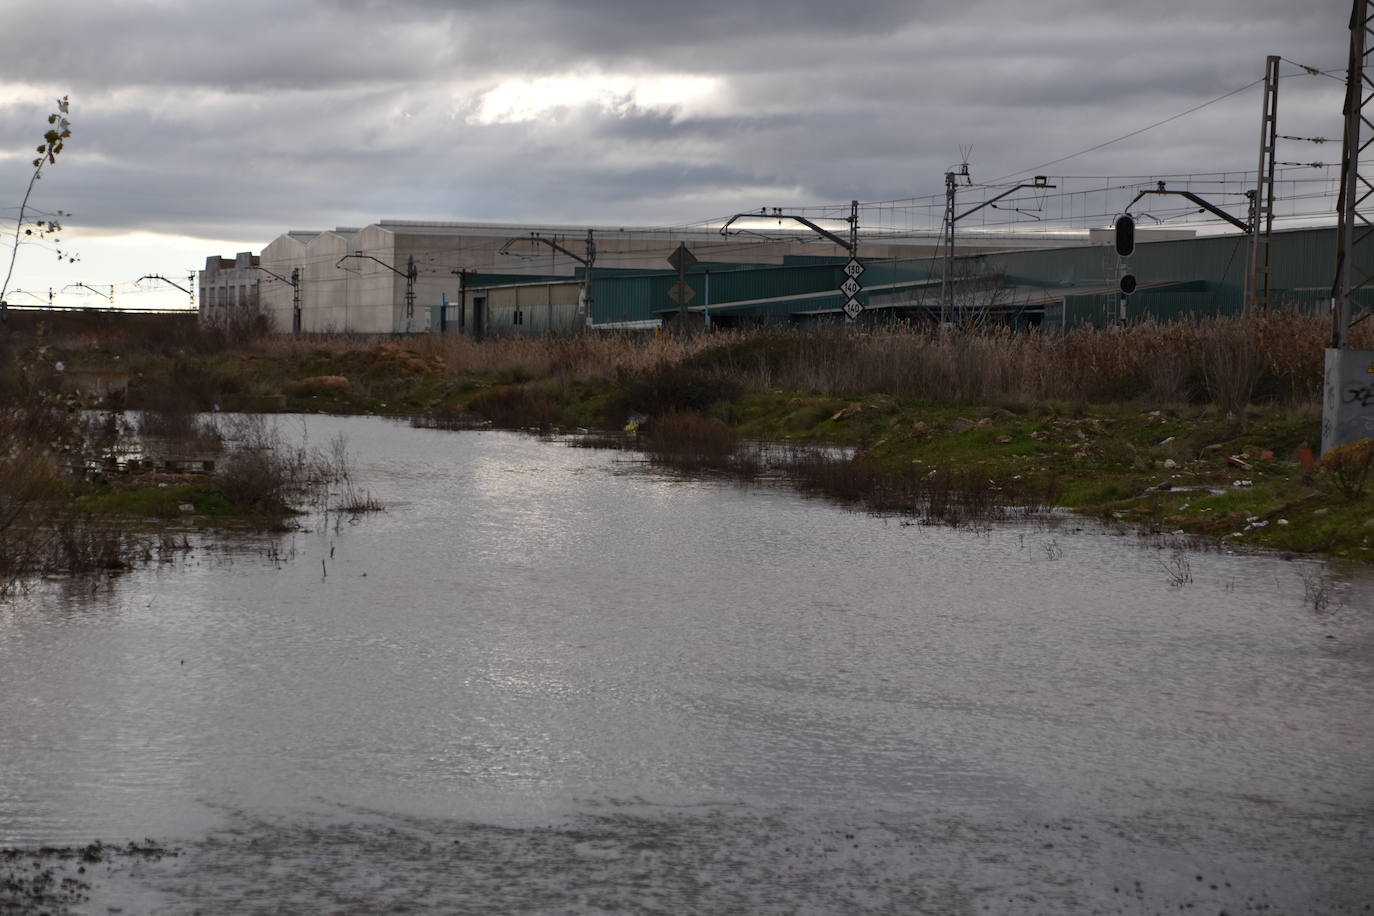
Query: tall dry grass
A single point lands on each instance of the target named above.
(588, 357)
(1229, 362)
(1226, 361)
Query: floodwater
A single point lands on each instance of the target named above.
(555, 680)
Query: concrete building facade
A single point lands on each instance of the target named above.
(391, 276)
(230, 288)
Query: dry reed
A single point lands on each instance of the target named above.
(1273, 358)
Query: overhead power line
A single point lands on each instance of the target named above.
(1134, 133)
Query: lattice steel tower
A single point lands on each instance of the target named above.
(1356, 206)
(1262, 212)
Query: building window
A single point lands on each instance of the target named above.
(518, 317)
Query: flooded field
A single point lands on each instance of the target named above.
(550, 679)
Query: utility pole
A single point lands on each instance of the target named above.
(462, 275)
(853, 228)
(92, 289)
(409, 275)
(1347, 405)
(185, 289)
(587, 260)
(412, 273)
(1262, 219)
(585, 307)
(946, 272)
(295, 282)
(1211, 208)
(951, 184)
(850, 287)
(295, 300)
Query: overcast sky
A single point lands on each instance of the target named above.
(206, 128)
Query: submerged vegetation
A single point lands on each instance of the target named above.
(86, 491)
(1205, 426)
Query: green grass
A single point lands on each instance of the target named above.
(155, 502)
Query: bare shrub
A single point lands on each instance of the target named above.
(1317, 589)
(348, 498)
(1350, 464)
(447, 416)
(82, 544)
(1232, 364)
(264, 474)
(515, 407)
(43, 450)
(28, 481)
(953, 496)
(688, 433)
(1178, 569)
(179, 433)
(668, 388)
(269, 477)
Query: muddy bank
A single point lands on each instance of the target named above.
(60, 879)
(634, 857)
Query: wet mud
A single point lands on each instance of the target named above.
(59, 879)
(632, 857)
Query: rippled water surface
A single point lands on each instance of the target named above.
(550, 679)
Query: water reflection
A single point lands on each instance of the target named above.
(531, 628)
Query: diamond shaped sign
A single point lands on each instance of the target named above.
(853, 268)
(681, 293)
(682, 259)
(850, 287)
(852, 308)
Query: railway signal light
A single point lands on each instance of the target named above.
(1125, 235)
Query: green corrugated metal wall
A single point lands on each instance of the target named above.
(1302, 266)
(621, 298)
(1303, 262)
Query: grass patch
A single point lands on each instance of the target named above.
(207, 501)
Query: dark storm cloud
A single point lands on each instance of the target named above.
(243, 120)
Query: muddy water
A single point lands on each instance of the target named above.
(550, 679)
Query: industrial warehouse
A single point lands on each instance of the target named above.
(400, 277)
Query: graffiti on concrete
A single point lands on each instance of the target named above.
(1348, 408)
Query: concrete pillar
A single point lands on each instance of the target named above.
(1348, 402)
